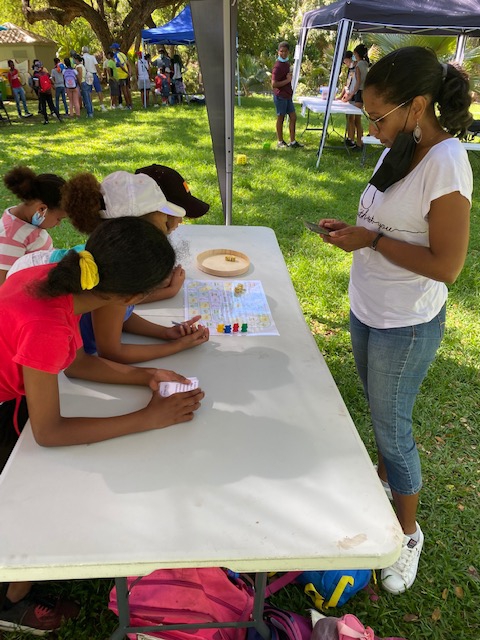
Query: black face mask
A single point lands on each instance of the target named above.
(396, 163)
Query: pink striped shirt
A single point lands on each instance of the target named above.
(18, 237)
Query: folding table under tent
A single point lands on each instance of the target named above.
(459, 18)
(215, 27)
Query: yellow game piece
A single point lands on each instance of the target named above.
(230, 258)
(220, 328)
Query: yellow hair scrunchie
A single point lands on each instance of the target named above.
(88, 270)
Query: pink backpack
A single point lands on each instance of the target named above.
(187, 596)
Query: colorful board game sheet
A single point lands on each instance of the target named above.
(230, 306)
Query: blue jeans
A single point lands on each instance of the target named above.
(60, 93)
(86, 91)
(392, 364)
(19, 94)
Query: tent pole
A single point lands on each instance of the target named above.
(298, 55)
(460, 49)
(238, 72)
(228, 89)
(343, 36)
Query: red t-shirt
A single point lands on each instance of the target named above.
(41, 333)
(14, 79)
(279, 73)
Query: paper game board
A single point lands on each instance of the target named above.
(230, 306)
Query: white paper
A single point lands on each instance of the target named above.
(168, 388)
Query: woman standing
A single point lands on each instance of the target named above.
(85, 87)
(70, 78)
(355, 94)
(404, 253)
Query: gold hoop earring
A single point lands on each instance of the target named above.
(417, 133)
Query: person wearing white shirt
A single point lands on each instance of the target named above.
(91, 67)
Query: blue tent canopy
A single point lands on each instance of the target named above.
(177, 31)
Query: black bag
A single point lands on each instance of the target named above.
(473, 130)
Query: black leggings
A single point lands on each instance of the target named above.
(8, 435)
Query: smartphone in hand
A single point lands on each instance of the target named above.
(316, 228)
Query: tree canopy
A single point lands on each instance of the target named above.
(111, 20)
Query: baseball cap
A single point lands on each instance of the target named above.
(175, 189)
(129, 194)
(115, 45)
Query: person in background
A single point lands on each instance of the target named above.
(162, 86)
(85, 87)
(91, 67)
(124, 72)
(59, 84)
(70, 79)
(177, 86)
(355, 95)
(45, 95)
(282, 97)
(347, 91)
(17, 89)
(23, 226)
(410, 238)
(143, 77)
(112, 76)
(163, 60)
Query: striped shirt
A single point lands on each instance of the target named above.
(18, 237)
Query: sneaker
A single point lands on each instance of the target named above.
(45, 122)
(385, 485)
(401, 575)
(120, 106)
(103, 107)
(282, 145)
(295, 145)
(156, 106)
(28, 115)
(38, 616)
(349, 143)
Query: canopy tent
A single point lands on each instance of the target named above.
(177, 31)
(213, 28)
(427, 17)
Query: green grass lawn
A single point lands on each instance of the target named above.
(278, 189)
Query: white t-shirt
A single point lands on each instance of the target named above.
(90, 62)
(143, 69)
(382, 294)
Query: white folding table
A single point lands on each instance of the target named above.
(271, 475)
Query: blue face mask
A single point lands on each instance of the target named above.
(280, 59)
(38, 218)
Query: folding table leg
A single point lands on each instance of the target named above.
(123, 609)
(259, 605)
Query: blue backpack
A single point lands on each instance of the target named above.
(325, 588)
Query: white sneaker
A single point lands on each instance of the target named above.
(385, 485)
(120, 106)
(103, 107)
(401, 575)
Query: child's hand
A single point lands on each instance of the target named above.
(179, 407)
(198, 336)
(165, 375)
(183, 329)
(177, 280)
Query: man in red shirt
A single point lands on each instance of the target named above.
(282, 96)
(17, 89)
